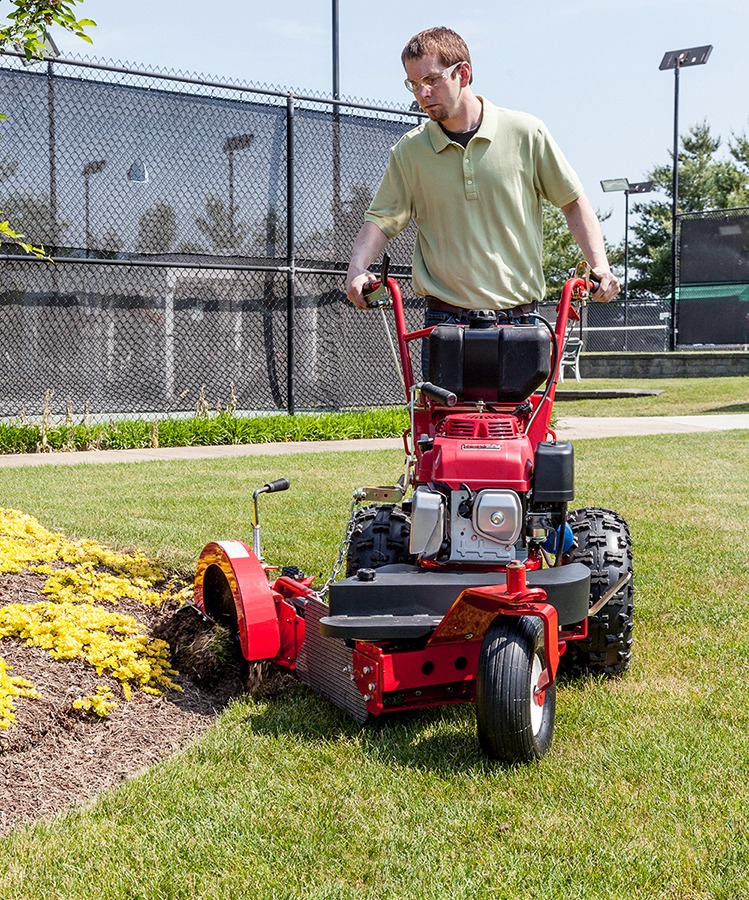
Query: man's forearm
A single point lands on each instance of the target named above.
(369, 244)
(586, 230)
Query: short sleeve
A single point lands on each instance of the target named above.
(392, 207)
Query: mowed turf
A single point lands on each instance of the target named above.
(644, 793)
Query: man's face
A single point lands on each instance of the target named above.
(441, 100)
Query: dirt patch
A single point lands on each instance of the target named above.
(53, 757)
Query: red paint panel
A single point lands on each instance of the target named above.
(259, 633)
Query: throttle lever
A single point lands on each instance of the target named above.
(376, 293)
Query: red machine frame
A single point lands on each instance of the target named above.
(270, 612)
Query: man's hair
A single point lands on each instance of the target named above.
(448, 46)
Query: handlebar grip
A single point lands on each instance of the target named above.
(376, 295)
(440, 394)
(280, 484)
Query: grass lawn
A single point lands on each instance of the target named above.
(643, 795)
(680, 397)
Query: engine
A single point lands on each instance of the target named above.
(467, 527)
(484, 496)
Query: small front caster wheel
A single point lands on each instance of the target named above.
(515, 721)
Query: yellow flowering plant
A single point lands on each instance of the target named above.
(73, 623)
(100, 704)
(10, 687)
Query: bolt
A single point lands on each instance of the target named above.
(469, 635)
(371, 686)
(497, 518)
(367, 698)
(347, 670)
(367, 669)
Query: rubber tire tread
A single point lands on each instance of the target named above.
(380, 537)
(503, 701)
(603, 544)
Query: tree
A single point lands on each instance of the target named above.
(26, 29)
(351, 218)
(706, 181)
(269, 237)
(33, 215)
(223, 230)
(28, 26)
(158, 229)
(111, 244)
(561, 253)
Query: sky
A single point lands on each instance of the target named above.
(588, 68)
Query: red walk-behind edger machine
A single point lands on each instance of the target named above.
(470, 580)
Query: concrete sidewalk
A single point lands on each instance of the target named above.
(568, 428)
(572, 427)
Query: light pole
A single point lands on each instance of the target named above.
(336, 51)
(231, 145)
(336, 137)
(91, 168)
(677, 60)
(627, 187)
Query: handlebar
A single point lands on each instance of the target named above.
(280, 484)
(440, 394)
(376, 293)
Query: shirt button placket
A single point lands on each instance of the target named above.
(470, 186)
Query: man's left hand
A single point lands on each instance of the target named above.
(609, 288)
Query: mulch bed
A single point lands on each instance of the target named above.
(53, 757)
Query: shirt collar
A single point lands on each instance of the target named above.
(487, 128)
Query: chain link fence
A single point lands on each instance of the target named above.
(200, 233)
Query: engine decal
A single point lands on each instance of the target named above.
(480, 446)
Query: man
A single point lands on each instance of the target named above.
(472, 178)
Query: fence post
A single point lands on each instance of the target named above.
(290, 257)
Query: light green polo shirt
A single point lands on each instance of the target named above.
(478, 210)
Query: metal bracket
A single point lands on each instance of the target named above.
(602, 601)
(382, 494)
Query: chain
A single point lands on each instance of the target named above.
(343, 549)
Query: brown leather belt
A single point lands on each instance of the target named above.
(441, 306)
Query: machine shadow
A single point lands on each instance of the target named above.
(730, 408)
(439, 740)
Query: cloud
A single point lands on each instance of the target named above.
(294, 30)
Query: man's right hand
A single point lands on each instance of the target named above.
(356, 281)
(369, 244)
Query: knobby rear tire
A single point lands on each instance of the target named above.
(380, 537)
(603, 544)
